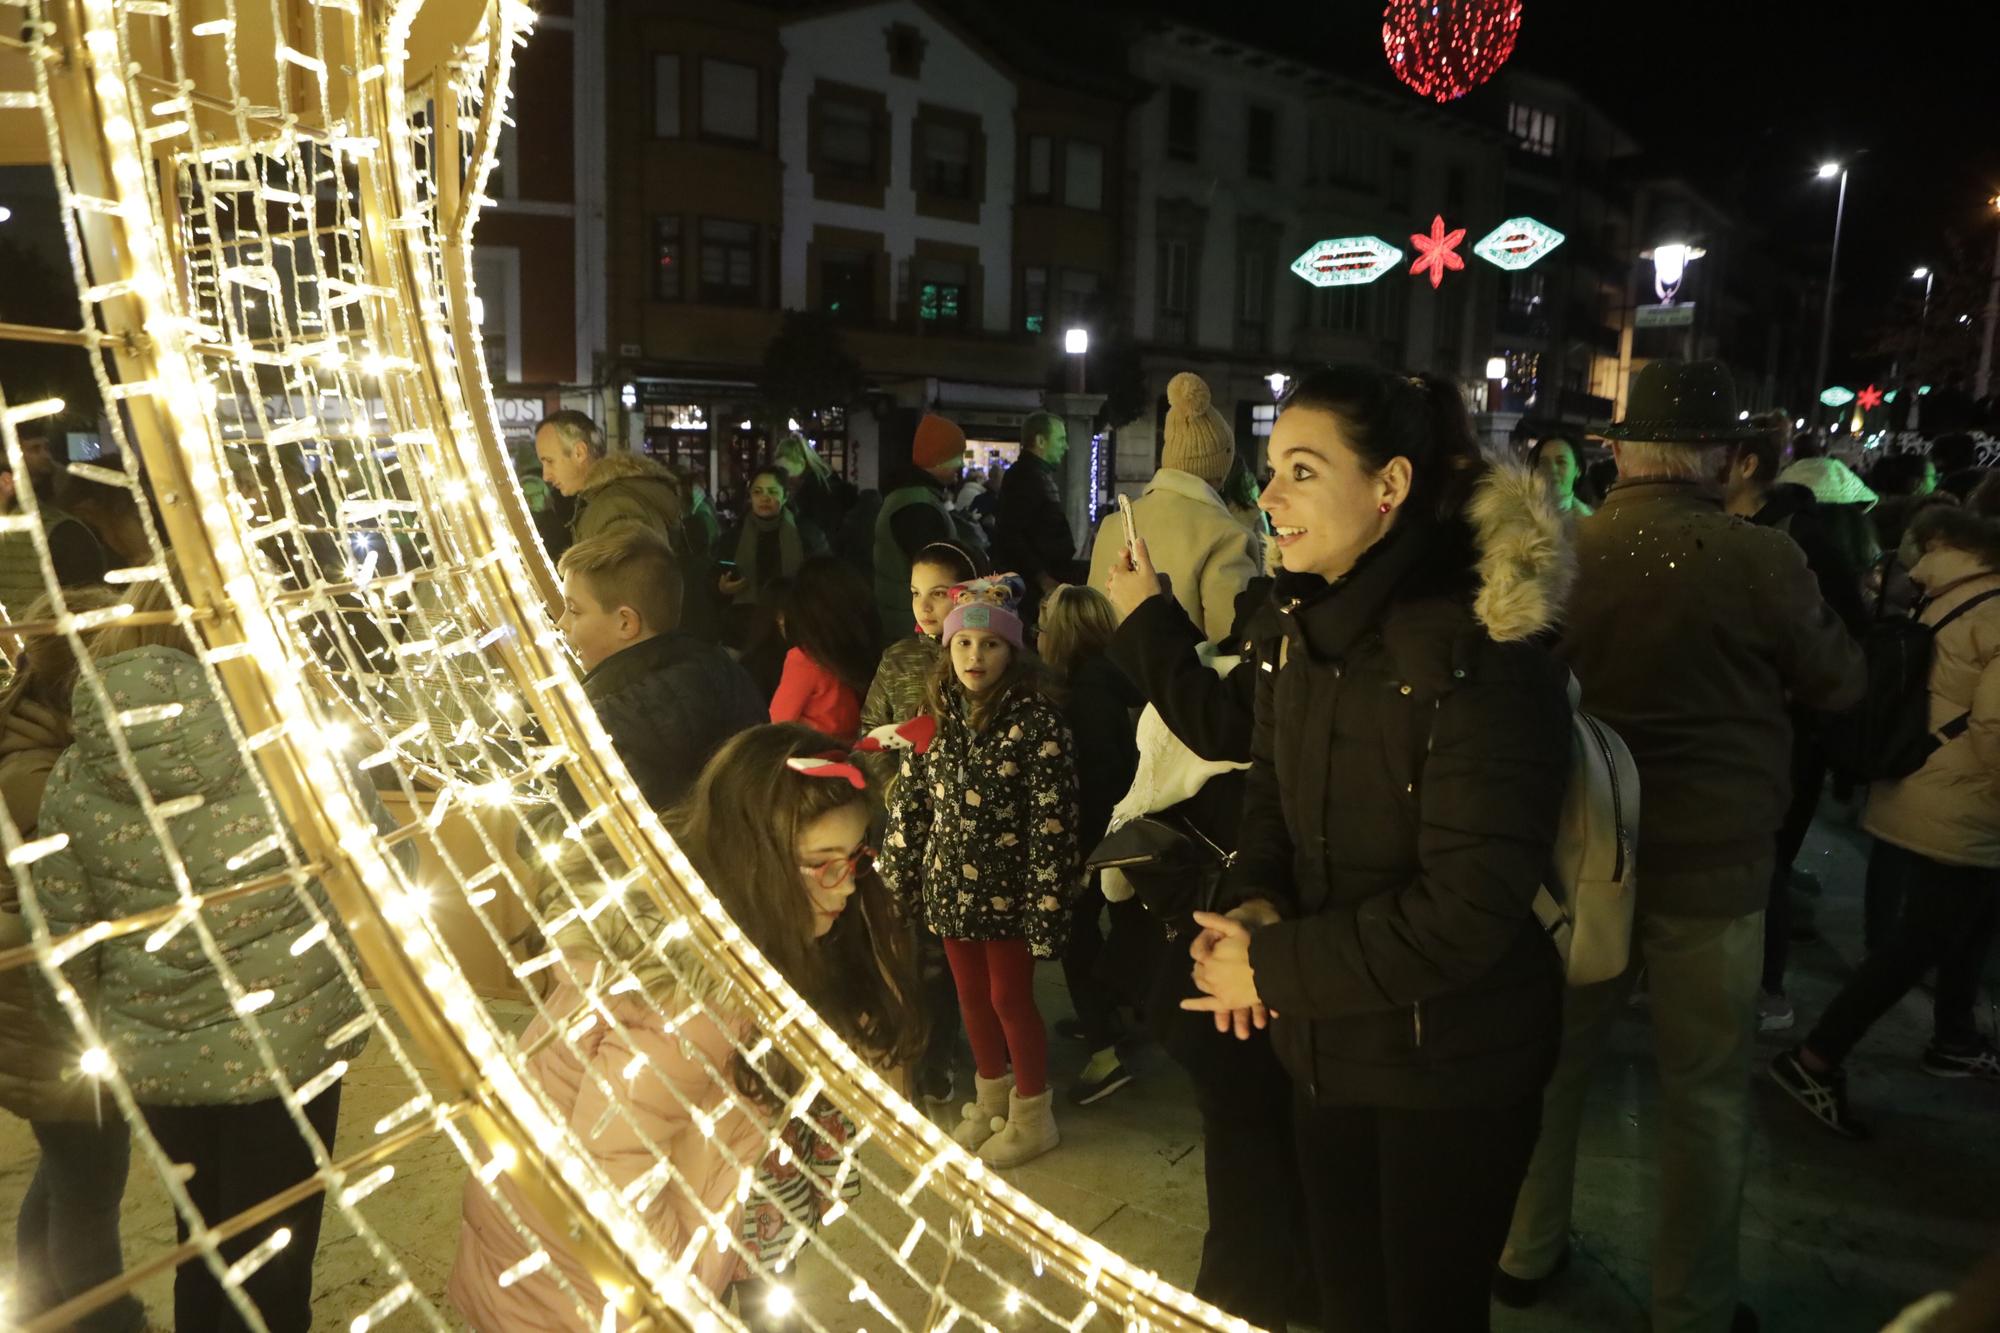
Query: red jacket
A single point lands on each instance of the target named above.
(813, 696)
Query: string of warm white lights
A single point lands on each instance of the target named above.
(274, 247)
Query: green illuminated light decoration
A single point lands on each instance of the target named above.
(1347, 261)
(1517, 243)
(1836, 396)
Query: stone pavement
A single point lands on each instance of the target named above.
(1837, 1236)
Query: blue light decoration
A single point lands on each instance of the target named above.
(1347, 261)
(1517, 243)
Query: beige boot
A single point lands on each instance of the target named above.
(1030, 1131)
(986, 1114)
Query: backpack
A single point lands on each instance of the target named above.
(1888, 734)
(1586, 904)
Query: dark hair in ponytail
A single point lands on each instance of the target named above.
(1386, 414)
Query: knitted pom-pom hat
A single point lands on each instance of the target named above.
(1197, 439)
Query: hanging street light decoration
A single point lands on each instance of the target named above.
(1346, 261)
(1438, 251)
(1836, 396)
(1445, 48)
(1870, 398)
(1517, 243)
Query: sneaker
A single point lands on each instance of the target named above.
(1521, 1292)
(1087, 1090)
(1774, 1013)
(1823, 1095)
(1980, 1061)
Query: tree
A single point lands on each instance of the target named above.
(807, 368)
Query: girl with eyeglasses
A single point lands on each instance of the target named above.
(777, 826)
(982, 839)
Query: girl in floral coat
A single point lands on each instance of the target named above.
(982, 835)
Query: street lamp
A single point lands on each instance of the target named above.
(1076, 342)
(1827, 171)
(1923, 317)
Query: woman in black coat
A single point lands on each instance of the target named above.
(1409, 761)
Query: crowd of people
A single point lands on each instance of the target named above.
(1274, 773)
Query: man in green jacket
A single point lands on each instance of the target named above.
(74, 550)
(1691, 632)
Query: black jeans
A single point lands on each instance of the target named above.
(1408, 1210)
(940, 1001)
(66, 1241)
(1947, 923)
(1808, 778)
(1254, 1261)
(242, 1155)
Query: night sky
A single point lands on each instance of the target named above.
(1746, 97)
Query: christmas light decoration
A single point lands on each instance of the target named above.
(273, 242)
(1517, 243)
(1870, 398)
(1438, 251)
(1443, 49)
(1346, 261)
(1836, 396)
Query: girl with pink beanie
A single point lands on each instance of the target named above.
(982, 840)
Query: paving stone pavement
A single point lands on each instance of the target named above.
(1836, 1236)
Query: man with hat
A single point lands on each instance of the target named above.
(1691, 633)
(917, 513)
(1207, 556)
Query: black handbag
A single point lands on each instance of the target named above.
(1172, 866)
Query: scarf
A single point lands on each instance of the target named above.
(791, 553)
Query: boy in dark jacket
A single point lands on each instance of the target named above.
(668, 699)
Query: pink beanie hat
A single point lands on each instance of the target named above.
(987, 604)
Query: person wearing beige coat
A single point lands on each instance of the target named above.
(1937, 838)
(1207, 555)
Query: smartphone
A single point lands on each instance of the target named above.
(1131, 529)
(729, 565)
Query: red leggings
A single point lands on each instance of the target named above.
(996, 996)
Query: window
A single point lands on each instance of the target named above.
(1175, 286)
(1533, 129)
(667, 259)
(1261, 150)
(1253, 299)
(729, 100)
(667, 97)
(944, 292)
(906, 50)
(1262, 417)
(1077, 295)
(1341, 309)
(1355, 158)
(1402, 168)
(1041, 169)
(1183, 123)
(1083, 175)
(1526, 292)
(847, 284)
(496, 276)
(1034, 299)
(846, 140)
(728, 262)
(944, 159)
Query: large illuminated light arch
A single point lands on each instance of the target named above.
(269, 207)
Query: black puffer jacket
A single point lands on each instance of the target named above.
(1409, 763)
(670, 703)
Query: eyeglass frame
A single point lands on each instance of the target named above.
(852, 862)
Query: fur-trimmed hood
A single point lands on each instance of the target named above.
(1526, 561)
(620, 466)
(627, 488)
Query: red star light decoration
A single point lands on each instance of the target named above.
(1437, 251)
(1870, 398)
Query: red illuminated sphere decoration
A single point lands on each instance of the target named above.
(1446, 48)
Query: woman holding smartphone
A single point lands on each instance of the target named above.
(1381, 923)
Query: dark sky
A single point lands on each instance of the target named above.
(1747, 97)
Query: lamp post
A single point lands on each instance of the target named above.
(1985, 376)
(1923, 318)
(1827, 171)
(1076, 343)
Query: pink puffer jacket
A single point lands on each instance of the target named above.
(488, 1245)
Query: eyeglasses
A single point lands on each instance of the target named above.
(832, 874)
